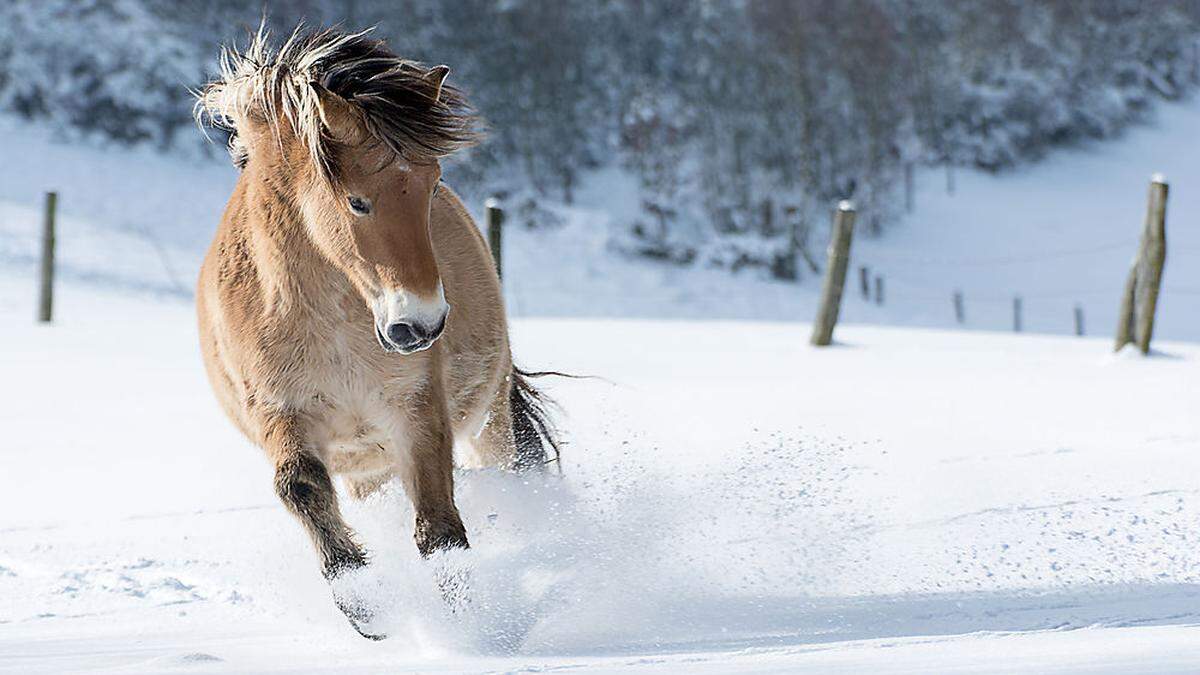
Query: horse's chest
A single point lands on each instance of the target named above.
(358, 412)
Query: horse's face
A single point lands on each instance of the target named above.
(374, 223)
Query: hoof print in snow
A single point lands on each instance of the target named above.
(199, 657)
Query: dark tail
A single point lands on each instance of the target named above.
(534, 433)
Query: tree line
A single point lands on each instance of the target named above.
(741, 121)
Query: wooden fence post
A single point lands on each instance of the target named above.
(1079, 320)
(879, 289)
(835, 275)
(909, 188)
(1017, 314)
(46, 287)
(1139, 298)
(864, 281)
(960, 311)
(495, 223)
(1154, 257)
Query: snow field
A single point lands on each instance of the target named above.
(753, 509)
(731, 500)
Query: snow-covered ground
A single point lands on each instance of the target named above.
(907, 501)
(911, 500)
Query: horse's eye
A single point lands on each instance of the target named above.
(359, 206)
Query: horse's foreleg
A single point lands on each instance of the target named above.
(429, 477)
(305, 488)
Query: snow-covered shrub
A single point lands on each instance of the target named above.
(106, 67)
(714, 107)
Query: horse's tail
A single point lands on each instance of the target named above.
(534, 433)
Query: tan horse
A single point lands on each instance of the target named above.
(351, 319)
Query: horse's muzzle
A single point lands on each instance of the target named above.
(407, 337)
(407, 323)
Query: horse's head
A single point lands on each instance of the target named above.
(352, 136)
(372, 220)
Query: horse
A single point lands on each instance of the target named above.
(351, 320)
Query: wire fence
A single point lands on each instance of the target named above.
(1012, 259)
(103, 254)
(19, 243)
(923, 289)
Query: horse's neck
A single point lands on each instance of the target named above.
(293, 274)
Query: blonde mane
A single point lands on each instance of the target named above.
(398, 106)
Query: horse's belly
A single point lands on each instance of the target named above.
(351, 458)
(362, 441)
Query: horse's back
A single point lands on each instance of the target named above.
(476, 338)
(224, 292)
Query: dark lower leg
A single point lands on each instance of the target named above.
(304, 486)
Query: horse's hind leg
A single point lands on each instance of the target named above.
(518, 432)
(493, 445)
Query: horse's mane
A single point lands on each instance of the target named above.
(395, 99)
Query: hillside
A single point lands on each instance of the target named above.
(721, 112)
(1058, 233)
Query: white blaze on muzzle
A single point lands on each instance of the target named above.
(406, 322)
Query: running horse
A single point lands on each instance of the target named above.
(351, 319)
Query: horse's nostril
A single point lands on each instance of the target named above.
(402, 334)
(436, 332)
(415, 335)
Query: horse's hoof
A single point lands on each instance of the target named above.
(360, 618)
(352, 593)
(433, 536)
(367, 633)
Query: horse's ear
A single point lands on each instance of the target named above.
(435, 76)
(337, 114)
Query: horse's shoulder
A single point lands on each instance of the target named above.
(452, 223)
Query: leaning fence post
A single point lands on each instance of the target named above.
(495, 223)
(835, 275)
(46, 287)
(1079, 320)
(960, 313)
(864, 281)
(1139, 298)
(1017, 314)
(1154, 257)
